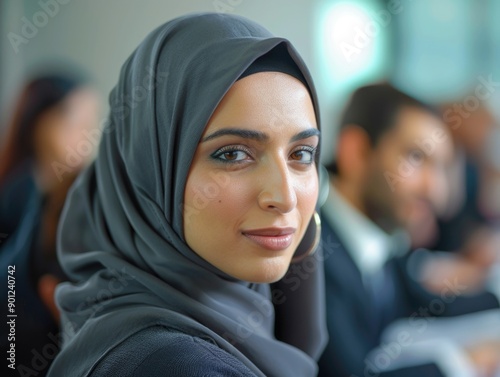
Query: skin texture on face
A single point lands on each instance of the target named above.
(416, 151)
(253, 180)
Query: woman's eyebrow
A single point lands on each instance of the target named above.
(245, 134)
(305, 134)
(257, 135)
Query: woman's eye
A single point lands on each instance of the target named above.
(305, 156)
(233, 156)
(230, 155)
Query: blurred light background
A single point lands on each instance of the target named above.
(434, 49)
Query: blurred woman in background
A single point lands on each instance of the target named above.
(52, 118)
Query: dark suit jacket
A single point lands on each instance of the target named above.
(355, 326)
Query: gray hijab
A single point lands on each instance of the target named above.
(121, 235)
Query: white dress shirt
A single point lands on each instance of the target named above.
(369, 246)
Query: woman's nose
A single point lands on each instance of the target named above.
(278, 191)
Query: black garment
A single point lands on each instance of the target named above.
(14, 195)
(454, 232)
(36, 329)
(355, 329)
(158, 352)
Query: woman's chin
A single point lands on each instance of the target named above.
(269, 271)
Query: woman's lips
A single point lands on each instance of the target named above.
(275, 239)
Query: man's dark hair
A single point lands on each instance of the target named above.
(375, 109)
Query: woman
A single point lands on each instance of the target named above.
(204, 187)
(52, 113)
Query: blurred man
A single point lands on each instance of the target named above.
(470, 227)
(472, 207)
(389, 174)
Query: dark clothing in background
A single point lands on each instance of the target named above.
(21, 207)
(354, 323)
(454, 232)
(14, 196)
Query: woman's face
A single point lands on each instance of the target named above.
(66, 133)
(253, 185)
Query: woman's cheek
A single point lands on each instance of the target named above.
(307, 191)
(238, 193)
(219, 191)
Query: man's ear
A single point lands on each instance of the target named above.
(353, 152)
